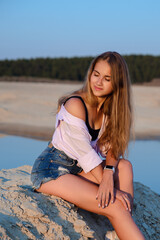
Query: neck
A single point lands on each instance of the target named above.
(100, 103)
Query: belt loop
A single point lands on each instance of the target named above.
(50, 145)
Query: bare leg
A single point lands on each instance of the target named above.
(124, 178)
(83, 194)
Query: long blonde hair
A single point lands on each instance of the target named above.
(117, 106)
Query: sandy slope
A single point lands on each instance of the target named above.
(29, 109)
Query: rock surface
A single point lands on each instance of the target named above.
(25, 214)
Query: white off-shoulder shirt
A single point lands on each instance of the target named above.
(71, 136)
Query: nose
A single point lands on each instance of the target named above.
(99, 81)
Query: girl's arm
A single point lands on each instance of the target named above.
(76, 138)
(106, 188)
(106, 192)
(97, 172)
(111, 160)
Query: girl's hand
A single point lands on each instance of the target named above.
(124, 198)
(106, 189)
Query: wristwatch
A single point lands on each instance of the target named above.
(109, 167)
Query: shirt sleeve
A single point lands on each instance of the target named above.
(75, 140)
(78, 142)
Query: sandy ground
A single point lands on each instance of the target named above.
(29, 109)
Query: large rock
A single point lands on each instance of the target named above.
(25, 214)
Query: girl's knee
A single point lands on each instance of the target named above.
(125, 166)
(114, 210)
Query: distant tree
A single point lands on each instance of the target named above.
(143, 68)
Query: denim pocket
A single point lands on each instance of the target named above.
(40, 164)
(61, 158)
(51, 158)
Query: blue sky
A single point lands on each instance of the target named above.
(67, 28)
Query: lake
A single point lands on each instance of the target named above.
(143, 154)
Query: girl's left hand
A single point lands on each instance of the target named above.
(106, 189)
(125, 199)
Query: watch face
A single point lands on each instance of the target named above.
(110, 167)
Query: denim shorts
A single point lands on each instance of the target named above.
(51, 164)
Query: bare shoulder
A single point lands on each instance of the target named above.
(75, 107)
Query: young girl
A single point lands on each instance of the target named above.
(84, 163)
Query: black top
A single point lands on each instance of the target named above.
(92, 132)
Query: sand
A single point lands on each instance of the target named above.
(29, 109)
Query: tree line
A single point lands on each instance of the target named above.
(142, 68)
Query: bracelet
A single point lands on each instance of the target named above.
(109, 167)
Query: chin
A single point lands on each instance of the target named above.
(99, 96)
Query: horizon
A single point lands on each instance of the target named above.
(69, 57)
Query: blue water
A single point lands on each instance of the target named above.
(144, 156)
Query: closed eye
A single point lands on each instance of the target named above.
(95, 73)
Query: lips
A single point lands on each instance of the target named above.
(97, 88)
